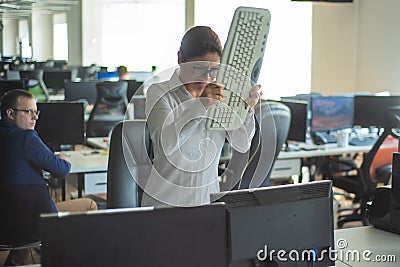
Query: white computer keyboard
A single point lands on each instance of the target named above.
(240, 66)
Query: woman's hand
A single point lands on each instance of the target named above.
(212, 94)
(254, 96)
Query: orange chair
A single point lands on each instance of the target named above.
(380, 169)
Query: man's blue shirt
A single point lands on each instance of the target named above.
(23, 156)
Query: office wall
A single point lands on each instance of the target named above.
(379, 46)
(356, 47)
(334, 47)
(74, 21)
(42, 36)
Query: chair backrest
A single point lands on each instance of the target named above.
(392, 115)
(109, 108)
(80, 90)
(55, 78)
(21, 206)
(272, 127)
(112, 94)
(36, 74)
(128, 163)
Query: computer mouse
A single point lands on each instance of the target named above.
(318, 138)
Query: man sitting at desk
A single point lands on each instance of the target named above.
(23, 157)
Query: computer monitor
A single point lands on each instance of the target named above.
(55, 79)
(107, 76)
(167, 237)
(295, 217)
(134, 88)
(299, 121)
(331, 113)
(75, 91)
(61, 123)
(8, 85)
(370, 110)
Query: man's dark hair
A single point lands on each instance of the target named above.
(122, 70)
(10, 100)
(199, 41)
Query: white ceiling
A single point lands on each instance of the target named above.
(16, 9)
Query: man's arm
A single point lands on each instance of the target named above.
(42, 157)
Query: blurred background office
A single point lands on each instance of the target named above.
(312, 47)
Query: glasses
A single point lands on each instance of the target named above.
(201, 71)
(30, 112)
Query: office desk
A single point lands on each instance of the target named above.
(84, 162)
(326, 150)
(322, 151)
(98, 142)
(289, 163)
(381, 244)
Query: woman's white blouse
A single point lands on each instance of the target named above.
(186, 154)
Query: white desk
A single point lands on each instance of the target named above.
(98, 142)
(326, 150)
(84, 162)
(289, 162)
(361, 240)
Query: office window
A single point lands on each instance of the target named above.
(137, 34)
(60, 31)
(286, 67)
(25, 49)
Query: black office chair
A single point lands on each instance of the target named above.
(36, 75)
(109, 108)
(129, 162)
(20, 208)
(77, 91)
(361, 184)
(273, 118)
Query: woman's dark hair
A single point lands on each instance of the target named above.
(10, 100)
(199, 41)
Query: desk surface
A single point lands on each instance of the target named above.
(326, 150)
(371, 244)
(98, 142)
(84, 161)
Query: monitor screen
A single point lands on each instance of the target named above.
(55, 79)
(8, 85)
(331, 113)
(107, 76)
(298, 122)
(75, 91)
(61, 123)
(167, 237)
(134, 88)
(278, 218)
(370, 110)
